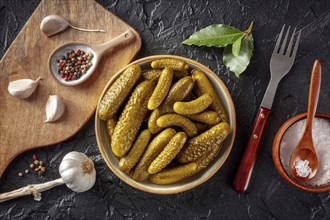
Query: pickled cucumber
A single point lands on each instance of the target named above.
(193, 107)
(190, 97)
(131, 118)
(152, 121)
(174, 174)
(178, 92)
(118, 92)
(203, 85)
(128, 161)
(177, 75)
(174, 64)
(203, 143)
(180, 121)
(201, 127)
(207, 117)
(169, 153)
(162, 88)
(152, 75)
(207, 158)
(110, 126)
(154, 148)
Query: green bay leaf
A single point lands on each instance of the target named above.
(217, 35)
(238, 64)
(237, 46)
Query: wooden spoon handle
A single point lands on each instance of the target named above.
(122, 38)
(314, 91)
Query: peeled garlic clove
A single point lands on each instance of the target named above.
(53, 24)
(54, 108)
(22, 88)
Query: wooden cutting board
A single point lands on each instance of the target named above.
(22, 125)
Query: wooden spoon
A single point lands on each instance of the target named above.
(305, 149)
(96, 50)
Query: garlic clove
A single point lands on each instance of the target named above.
(54, 108)
(23, 88)
(53, 24)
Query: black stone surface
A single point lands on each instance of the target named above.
(163, 25)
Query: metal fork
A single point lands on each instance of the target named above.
(280, 64)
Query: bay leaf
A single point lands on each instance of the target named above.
(237, 46)
(238, 64)
(217, 35)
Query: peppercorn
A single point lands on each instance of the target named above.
(20, 174)
(31, 165)
(27, 171)
(74, 62)
(43, 169)
(36, 162)
(41, 162)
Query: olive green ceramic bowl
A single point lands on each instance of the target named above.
(188, 183)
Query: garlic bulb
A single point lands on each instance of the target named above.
(54, 108)
(23, 88)
(53, 24)
(77, 171)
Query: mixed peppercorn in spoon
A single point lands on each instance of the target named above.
(74, 64)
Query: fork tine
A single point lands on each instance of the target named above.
(277, 45)
(288, 51)
(284, 41)
(296, 46)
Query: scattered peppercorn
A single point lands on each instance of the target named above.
(36, 162)
(41, 163)
(27, 171)
(20, 174)
(74, 64)
(36, 169)
(43, 169)
(31, 165)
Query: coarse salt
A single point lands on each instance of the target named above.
(302, 167)
(321, 141)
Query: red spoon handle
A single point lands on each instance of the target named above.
(243, 174)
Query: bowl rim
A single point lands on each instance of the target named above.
(276, 153)
(189, 185)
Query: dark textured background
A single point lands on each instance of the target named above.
(163, 25)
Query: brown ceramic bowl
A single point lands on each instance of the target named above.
(188, 183)
(277, 160)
